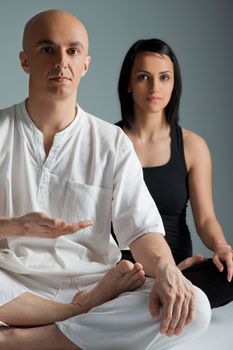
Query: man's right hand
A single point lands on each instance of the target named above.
(39, 224)
(176, 294)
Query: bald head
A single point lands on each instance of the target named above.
(54, 21)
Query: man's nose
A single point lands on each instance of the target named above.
(60, 65)
(60, 61)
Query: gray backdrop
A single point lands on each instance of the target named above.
(200, 33)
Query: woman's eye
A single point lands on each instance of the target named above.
(164, 77)
(143, 77)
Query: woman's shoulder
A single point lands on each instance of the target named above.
(192, 139)
(195, 148)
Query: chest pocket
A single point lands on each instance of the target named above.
(88, 202)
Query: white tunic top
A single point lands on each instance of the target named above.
(91, 172)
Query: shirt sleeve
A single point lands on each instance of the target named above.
(134, 212)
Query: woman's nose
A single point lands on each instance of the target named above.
(153, 85)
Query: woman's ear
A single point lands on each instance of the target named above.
(24, 61)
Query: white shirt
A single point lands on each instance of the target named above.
(91, 172)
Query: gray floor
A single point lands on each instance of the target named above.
(219, 336)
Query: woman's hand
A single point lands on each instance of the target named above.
(190, 261)
(223, 253)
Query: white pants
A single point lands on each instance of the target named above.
(121, 324)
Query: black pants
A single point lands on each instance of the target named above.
(207, 277)
(214, 284)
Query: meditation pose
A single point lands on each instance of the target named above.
(176, 165)
(64, 177)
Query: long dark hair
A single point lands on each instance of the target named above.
(126, 101)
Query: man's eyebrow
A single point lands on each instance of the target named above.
(44, 42)
(50, 42)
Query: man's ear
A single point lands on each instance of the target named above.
(86, 65)
(24, 61)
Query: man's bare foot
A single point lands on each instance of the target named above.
(125, 277)
(29, 310)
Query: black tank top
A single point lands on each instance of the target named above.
(168, 186)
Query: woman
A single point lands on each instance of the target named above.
(176, 164)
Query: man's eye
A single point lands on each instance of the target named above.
(47, 49)
(73, 51)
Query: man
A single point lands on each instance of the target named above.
(64, 176)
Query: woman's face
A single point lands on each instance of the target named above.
(151, 82)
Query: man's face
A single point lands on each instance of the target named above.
(55, 55)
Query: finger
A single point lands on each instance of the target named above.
(43, 219)
(154, 306)
(183, 318)
(68, 229)
(72, 228)
(59, 224)
(49, 222)
(191, 310)
(185, 263)
(55, 223)
(83, 224)
(218, 263)
(33, 229)
(229, 264)
(192, 260)
(200, 258)
(167, 314)
(176, 315)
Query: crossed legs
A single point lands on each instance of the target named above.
(124, 322)
(29, 310)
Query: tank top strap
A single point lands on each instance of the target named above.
(177, 147)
